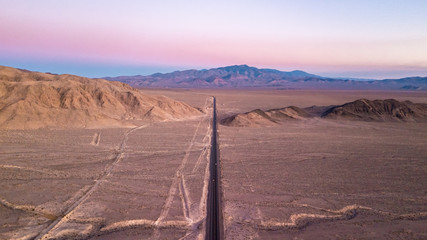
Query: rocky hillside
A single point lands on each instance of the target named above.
(270, 117)
(389, 110)
(30, 100)
(379, 110)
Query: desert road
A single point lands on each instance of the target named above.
(214, 216)
(91, 159)
(197, 179)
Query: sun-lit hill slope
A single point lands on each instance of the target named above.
(270, 117)
(379, 110)
(389, 110)
(30, 100)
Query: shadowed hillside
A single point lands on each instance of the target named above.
(31, 100)
(379, 110)
(271, 117)
(361, 110)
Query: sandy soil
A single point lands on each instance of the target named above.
(325, 180)
(129, 183)
(321, 179)
(237, 101)
(315, 179)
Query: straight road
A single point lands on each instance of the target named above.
(214, 212)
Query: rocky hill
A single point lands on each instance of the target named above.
(270, 117)
(379, 110)
(243, 76)
(389, 110)
(30, 100)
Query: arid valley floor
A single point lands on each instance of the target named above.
(302, 179)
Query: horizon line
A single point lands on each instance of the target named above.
(338, 74)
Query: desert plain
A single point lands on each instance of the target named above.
(301, 179)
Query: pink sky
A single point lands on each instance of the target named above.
(332, 38)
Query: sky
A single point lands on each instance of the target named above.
(336, 38)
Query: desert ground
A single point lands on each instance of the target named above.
(125, 183)
(321, 179)
(310, 179)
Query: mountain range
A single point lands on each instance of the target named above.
(244, 76)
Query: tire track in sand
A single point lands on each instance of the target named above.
(199, 215)
(43, 171)
(176, 184)
(206, 148)
(96, 139)
(108, 169)
(185, 198)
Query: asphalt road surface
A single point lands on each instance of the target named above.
(214, 229)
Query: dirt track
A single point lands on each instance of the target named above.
(109, 168)
(310, 179)
(152, 183)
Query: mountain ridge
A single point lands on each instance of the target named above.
(32, 100)
(244, 76)
(387, 110)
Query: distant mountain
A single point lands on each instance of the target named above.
(244, 76)
(231, 76)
